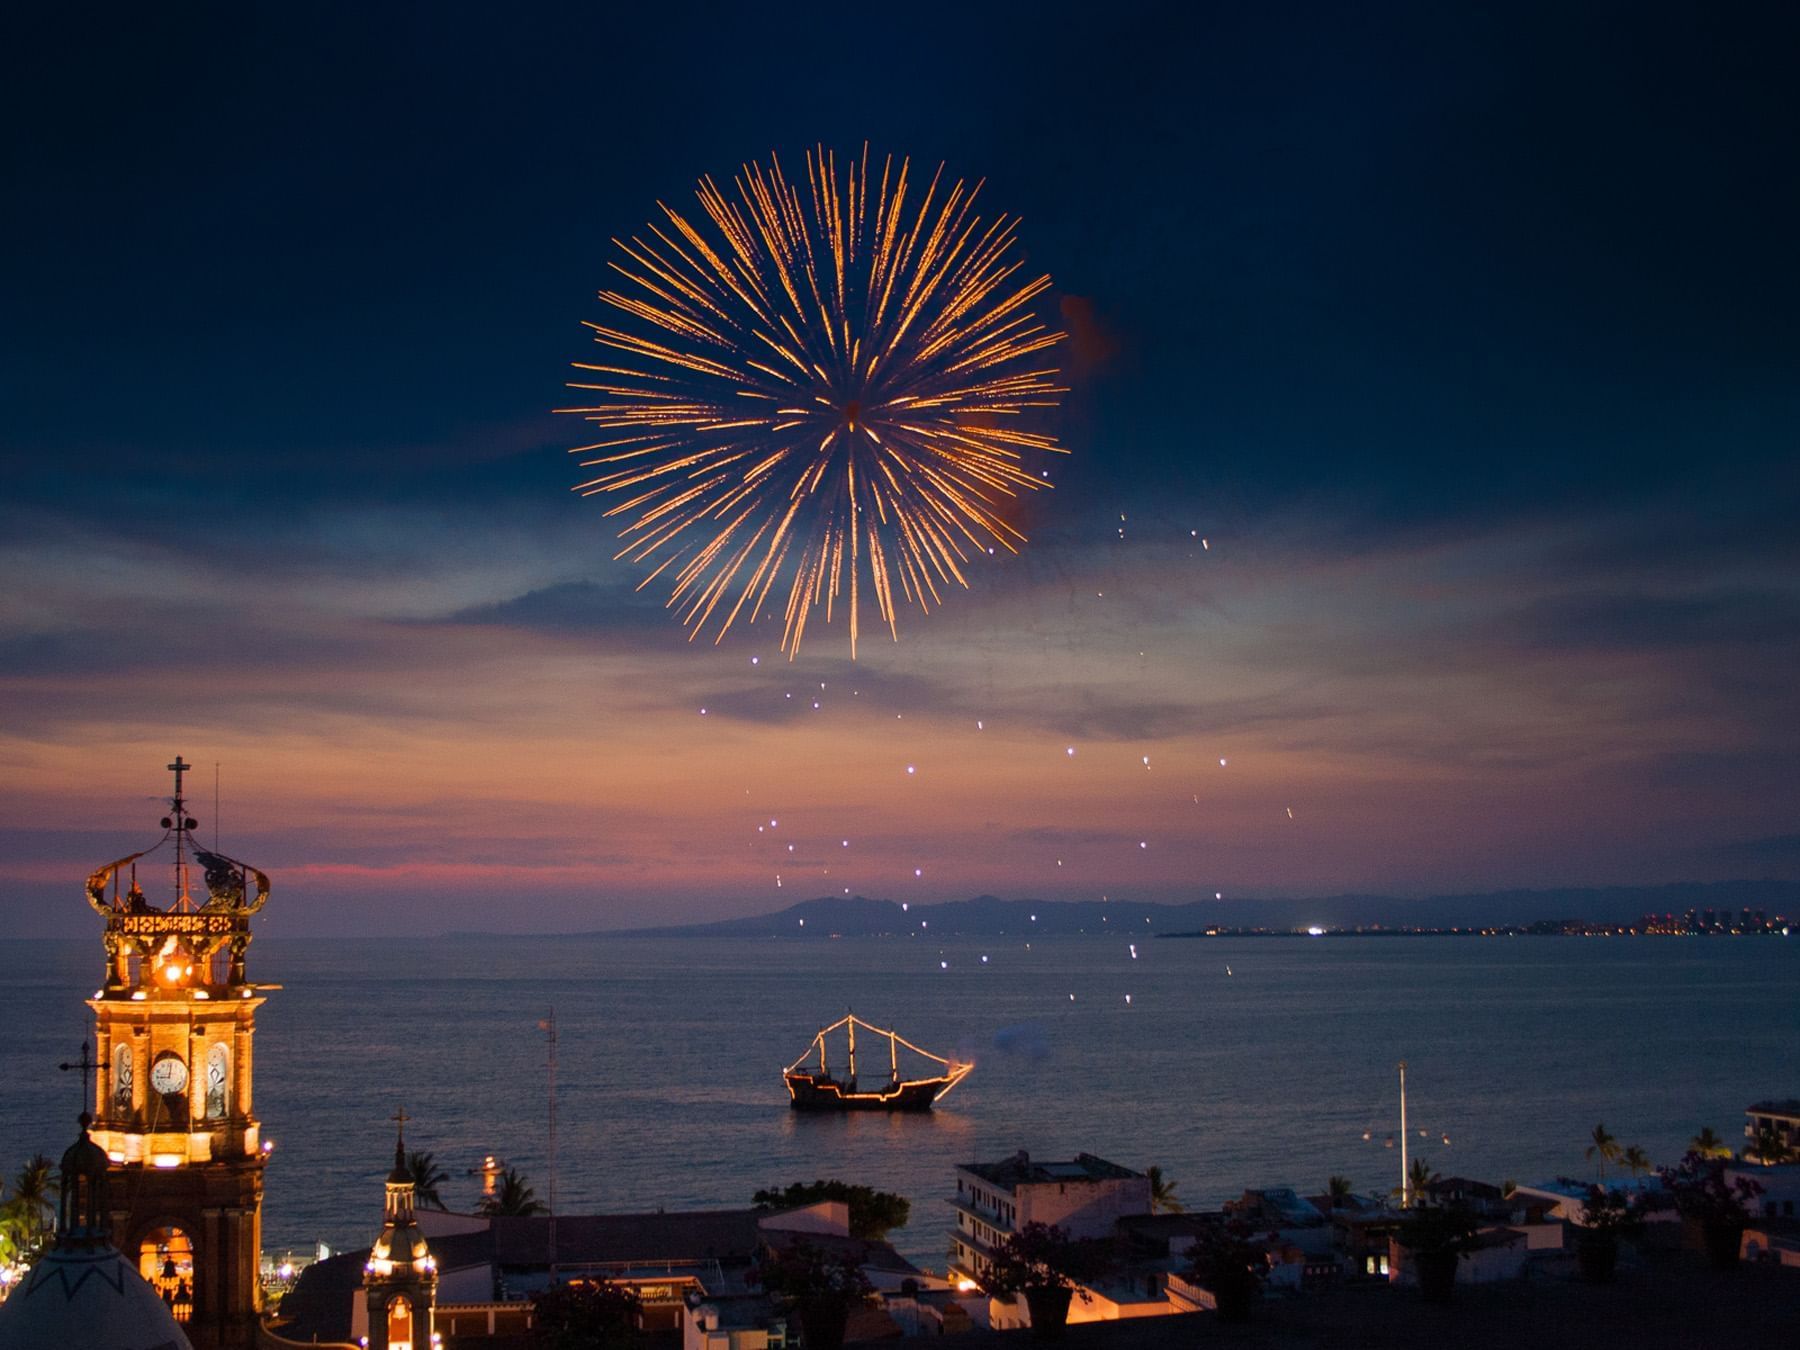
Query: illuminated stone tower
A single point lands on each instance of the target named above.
(400, 1280)
(175, 1023)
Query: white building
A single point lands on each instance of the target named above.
(1783, 1118)
(1084, 1197)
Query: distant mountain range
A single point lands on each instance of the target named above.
(857, 916)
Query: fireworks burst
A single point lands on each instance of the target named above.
(820, 395)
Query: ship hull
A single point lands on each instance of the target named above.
(817, 1092)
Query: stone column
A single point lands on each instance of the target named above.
(140, 1068)
(103, 1076)
(196, 1061)
(240, 1066)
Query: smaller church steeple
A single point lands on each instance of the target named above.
(400, 1279)
(82, 1292)
(84, 1211)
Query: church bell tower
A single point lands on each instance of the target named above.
(400, 1279)
(175, 1023)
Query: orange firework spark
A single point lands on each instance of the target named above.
(825, 388)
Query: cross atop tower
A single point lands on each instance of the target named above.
(178, 768)
(400, 1170)
(88, 1066)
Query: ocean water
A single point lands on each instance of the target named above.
(1235, 1062)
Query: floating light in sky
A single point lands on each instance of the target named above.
(1221, 762)
(1071, 749)
(943, 965)
(984, 960)
(918, 872)
(1134, 951)
(820, 396)
(909, 768)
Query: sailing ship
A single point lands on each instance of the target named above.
(814, 1087)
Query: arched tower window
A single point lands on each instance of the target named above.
(121, 1080)
(218, 1081)
(400, 1323)
(166, 1260)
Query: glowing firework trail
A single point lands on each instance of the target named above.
(824, 391)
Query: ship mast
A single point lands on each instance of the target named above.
(893, 1058)
(1405, 1173)
(853, 1048)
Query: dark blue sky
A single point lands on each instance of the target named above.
(1477, 336)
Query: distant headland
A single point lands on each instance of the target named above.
(1724, 906)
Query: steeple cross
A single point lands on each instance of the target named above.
(178, 768)
(89, 1067)
(401, 1117)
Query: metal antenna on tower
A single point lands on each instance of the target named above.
(548, 1026)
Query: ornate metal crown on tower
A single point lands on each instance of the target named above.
(177, 946)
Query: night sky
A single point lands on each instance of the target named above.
(1469, 344)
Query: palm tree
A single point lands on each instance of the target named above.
(1338, 1189)
(1604, 1147)
(1419, 1180)
(1708, 1144)
(1771, 1144)
(511, 1198)
(427, 1177)
(1162, 1193)
(1636, 1161)
(31, 1193)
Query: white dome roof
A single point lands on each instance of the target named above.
(87, 1300)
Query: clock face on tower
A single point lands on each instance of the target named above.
(168, 1075)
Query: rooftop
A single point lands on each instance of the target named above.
(1020, 1170)
(1671, 1302)
(1787, 1106)
(728, 1236)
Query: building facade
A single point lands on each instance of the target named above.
(1085, 1196)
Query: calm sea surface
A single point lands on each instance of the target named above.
(670, 1095)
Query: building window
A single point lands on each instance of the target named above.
(122, 1080)
(218, 1074)
(400, 1324)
